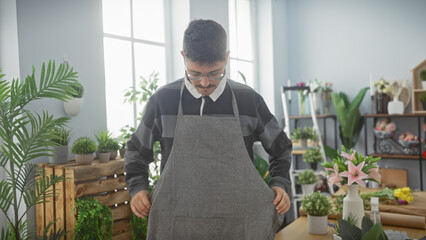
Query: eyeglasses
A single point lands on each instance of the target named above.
(214, 76)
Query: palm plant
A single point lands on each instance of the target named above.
(26, 136)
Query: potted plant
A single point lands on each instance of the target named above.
(84, 148)
(307, 179)
(94, 221)
(25, 136)
(349, 117)
(61, 137)
(113, 146)
(317, 206)
(423, 100)
(313, 156)
(302, 135)
(423, 78)
(73, 106)
(125, 136)
(104, 152)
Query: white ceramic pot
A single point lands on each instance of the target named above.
(317, 224)
(353, 206)
(303, 142)
(395, 107)
(84, 158)
(308, 188)
(73, 106)
(424, 84)
(61, 153)
(104, 157)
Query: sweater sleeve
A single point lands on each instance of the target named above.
(276, 144)
(139, 152)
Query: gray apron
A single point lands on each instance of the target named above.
(209, 188)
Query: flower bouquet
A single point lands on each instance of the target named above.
(352, 169)
(385, 128)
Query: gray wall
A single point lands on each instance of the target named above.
(344, 41)
(50, 29)
(9, 56)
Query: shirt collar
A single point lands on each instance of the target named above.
(214, 95)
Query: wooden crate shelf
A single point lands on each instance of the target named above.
(103, 181)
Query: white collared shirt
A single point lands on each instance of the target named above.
(213, 96)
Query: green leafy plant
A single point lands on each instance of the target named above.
(312, 155)
(103, 136)
(83, 145)
(94, 221)
(139, 227)
(304, 133)
(348, 230)
(61, 136)
(126, 134)
(26, 135)
(423, 75)
(423, 97)
(113, 145)
(316, 204)
(103, 147)
(307, 177)
(349, 117)
(78, 90)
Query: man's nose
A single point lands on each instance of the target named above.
(205, 81)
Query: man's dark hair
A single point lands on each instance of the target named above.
(204, 41)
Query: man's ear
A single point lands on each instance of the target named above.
(181, 53)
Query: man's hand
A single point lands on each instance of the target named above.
(282, 201)
(140, 204)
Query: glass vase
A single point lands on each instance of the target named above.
(304, 106)
(326, 102)
(353, 206)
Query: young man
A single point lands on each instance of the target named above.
(206, 125)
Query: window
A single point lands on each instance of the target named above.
(241, 41)
(134, 46)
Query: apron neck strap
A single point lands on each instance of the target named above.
(234, 101)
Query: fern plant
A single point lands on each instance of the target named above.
(26, 135)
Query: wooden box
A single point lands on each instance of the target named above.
(103, 181)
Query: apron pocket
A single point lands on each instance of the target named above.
(218, 228)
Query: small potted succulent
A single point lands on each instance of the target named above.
(113, 146)
(125, 136)
(72, 107)
(313, 156)
(302, 135)
(104, 152)
(84, 149)
(61, 137)
(317, 206)
(307, 179)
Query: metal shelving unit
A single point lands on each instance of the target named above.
(389, 155)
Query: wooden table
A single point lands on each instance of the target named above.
(299, 230)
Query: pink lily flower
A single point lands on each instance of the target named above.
(355, 174)
(374, 174)
(334, 178)
(348, 156)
